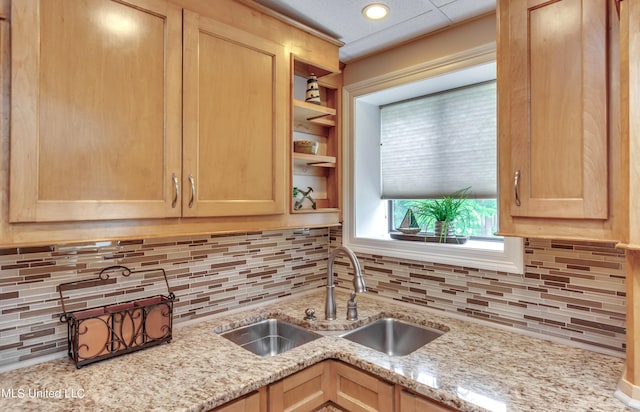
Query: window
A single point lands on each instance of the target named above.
(436, 144)
(433, 145)
(373, 203)
(479, 223)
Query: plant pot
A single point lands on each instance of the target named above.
(445, 229)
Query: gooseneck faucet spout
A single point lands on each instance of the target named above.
(358, 280)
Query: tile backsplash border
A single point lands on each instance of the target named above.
(570, 290)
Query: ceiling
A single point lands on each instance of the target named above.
(343, 20)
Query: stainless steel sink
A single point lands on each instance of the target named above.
(392, 336)
(270, 337)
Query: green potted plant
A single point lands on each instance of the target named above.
(444, 213)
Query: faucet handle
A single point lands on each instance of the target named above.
(352, 307)
(310, 314)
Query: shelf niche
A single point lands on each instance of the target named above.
(318, 123)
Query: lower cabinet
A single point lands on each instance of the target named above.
(306, 390)
(335, 383)
(358, 391)
(410, 402)
(253, 402)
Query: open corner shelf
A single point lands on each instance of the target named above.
(319, 123)
(313, 113)
(319, 210)
(305, 69)
(314, 160)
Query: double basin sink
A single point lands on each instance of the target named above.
(387, 335)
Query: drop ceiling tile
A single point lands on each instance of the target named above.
(344, 17)
(343, 20)
(440, 3)
(463, 9)
(382, 39)
(401, 13)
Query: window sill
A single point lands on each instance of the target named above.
(496, 256)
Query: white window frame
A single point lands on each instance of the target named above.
(368, 210)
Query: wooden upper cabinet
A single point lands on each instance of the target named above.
(556, 124)
(235, 111)
(95, 110)
(559, 108)
(630, 115)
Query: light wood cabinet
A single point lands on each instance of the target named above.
(557, 132)
(320, 124)
(83, 162)
(629, 384)
(95, 109)
(630, 119)
(105, 142)
(235, 101)
(334, 383)
(410, 402)
(253, 402)
(304, 391)
(358, 391)
(331, 382)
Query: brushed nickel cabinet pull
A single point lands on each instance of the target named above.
(516, 187)
(193, 190)
(177, 190)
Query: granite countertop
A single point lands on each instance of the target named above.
(471, 367)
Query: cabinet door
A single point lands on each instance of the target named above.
(235, 110)
(253, 402)
(409, 402)
(95, 110)
(557, 81)
(360, 392)
(304, 391)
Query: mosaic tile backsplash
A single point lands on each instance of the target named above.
(569, 290)
(208, 274)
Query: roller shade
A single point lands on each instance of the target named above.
(440, 143)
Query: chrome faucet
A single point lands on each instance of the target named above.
(358, 280)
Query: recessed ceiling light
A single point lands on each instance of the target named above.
(375, 11)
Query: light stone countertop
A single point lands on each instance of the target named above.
(472, 367)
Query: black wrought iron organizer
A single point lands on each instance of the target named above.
(112, 330)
